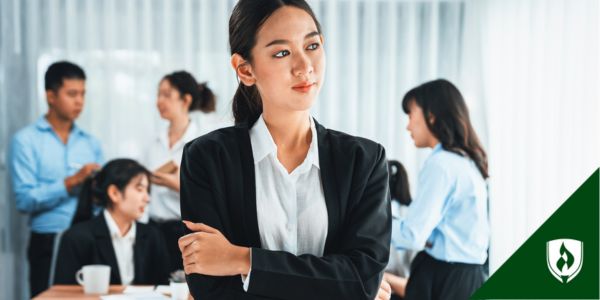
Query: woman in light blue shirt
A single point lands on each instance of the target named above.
(448, 217)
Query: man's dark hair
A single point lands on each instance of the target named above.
(59, 71)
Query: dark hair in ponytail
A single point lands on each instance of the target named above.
(245, 21)
(451, 125)
(399, 187)
(203, 98)
(117, 172)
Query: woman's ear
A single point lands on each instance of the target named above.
(431, 119)
(187, 100)
(114, 195)
(243, 69)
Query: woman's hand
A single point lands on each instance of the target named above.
(397, 283)
(206, 251)
(385, 291)
(169, 180)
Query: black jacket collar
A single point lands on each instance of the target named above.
(101, 233)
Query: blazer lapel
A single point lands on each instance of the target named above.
(140, 252)
(106, 251)
(248, 207)
(330, 185)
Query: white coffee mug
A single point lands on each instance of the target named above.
(94, 278)
(179, 291)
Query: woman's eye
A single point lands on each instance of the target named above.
(282, 53)
(313, 46)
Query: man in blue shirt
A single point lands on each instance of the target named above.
(48, 160)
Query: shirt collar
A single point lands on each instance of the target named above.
(313, 150)
(261, 140)
(263, 144)
(437, 147)
(190, 133)
(42, 124)
(114, 231)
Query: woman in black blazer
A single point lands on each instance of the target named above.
(122, 188)
(278, 180)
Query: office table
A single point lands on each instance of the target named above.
(60, 292)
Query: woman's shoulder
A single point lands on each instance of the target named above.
(80, 231)
(350, 144)
(222, 138)
(147, 229)
(450, 163)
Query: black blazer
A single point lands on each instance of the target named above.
(218, 189)
(89, 243)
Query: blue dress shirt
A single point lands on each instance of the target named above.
(39, 162)
(449, 212)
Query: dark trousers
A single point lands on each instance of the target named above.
(172, 231)
(432, 279)
(39, 254)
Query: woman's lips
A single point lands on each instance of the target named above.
(303, 87)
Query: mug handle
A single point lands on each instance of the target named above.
(79, 277)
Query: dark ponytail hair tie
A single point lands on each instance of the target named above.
(203, 98)
(202, 86)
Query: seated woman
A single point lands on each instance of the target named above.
(135, 252)
(398, 268)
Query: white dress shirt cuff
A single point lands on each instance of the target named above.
(246, 278)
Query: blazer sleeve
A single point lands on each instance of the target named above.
(198, 205)
(161, 265)
(353, 272)
(70, 258)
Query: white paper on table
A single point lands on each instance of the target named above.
(163, 289)
(136, 296)
(130, 289)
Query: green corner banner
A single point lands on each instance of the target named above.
(560, 260)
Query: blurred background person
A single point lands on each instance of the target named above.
(449, 215)
(398, 268)
(136, 252)
(48, 161)
(178, 94)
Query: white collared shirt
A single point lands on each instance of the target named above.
(164, 204)
(290, 207)
(123, 247)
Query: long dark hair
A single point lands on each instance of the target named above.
(246, 19)
(451, 123)
(117, 172)
(399, 187)
(203, 98)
